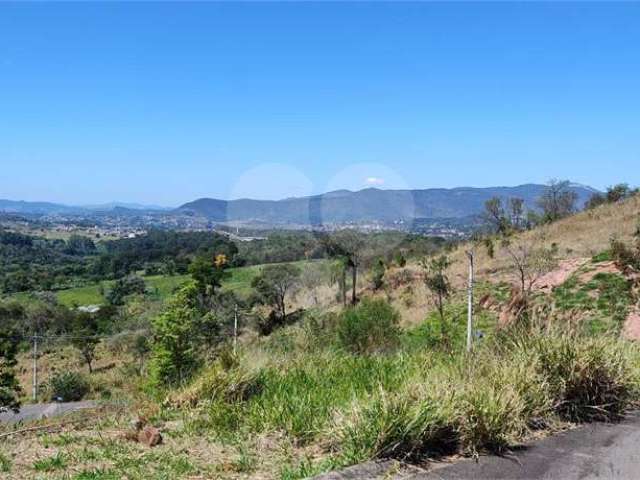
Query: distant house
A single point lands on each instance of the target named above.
(89, 308)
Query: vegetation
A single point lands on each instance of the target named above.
(371, 327)
(67, 387)
(273, 285)
(437, 282)
(9, 386)
(269, 366)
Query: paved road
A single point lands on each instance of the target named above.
(596, 451)
(44, 410)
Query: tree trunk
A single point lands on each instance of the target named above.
(343, 287)
(354, 279)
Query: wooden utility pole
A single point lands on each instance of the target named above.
(470, 301)
(235, 328)
(35, 368)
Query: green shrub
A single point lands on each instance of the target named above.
(397, 426)
(490, 416)
(590, 379)
(67, 387)
(369, 327)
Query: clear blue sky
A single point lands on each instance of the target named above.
(164, 103)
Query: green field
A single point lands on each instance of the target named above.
(238, 282)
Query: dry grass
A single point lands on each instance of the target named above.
(582, 235)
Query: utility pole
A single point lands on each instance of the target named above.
(235, 328)
(35, 368)
(470, 301)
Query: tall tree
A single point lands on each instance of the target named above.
(339, 270)
(516, 211)
(273, 285)
(558, 200)
(494, 214)
(173, 349)
(85, 337)
(437, 282)
(348, 244)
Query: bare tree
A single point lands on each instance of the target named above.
(530, 260)
(313, 275)
(558, 200)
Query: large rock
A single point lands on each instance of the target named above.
(150, 436)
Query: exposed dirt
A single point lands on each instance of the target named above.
(557, 277)
(631, 328)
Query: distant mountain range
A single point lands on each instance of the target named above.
(48, 208)
(368, 205)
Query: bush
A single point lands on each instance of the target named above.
(590, 379)
(369, 327)
(397, 426)
(67, 387)
(622, 255)
(223, 381)
(489, 416)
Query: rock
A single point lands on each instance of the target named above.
(137, 423)
(149, 436)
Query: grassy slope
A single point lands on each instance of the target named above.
(582, 235)
(335, 409)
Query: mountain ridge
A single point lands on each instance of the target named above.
(370, 205)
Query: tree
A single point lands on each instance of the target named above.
(140, 349)
(123, 287)
(558, 200)
(530, 261)
(516, 210)
(313, 275)
(85, 337)
(80, 245)
(495, 215)
(274, 283)
(618, 193)
(339, 269)
(208, 273)
(173, 349)
(9, 386)
(347, 244)
(437, 282)
(377, 274)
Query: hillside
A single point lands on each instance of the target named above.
(578, 239)
(369, 205)
(310, 397)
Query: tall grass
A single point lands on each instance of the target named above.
(412, 404)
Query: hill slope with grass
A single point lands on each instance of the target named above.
(387, 378)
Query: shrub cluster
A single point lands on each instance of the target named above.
(488, 401)
(336, 379)
(369, 327)
(67, 387)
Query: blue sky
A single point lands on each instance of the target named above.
(164, 103)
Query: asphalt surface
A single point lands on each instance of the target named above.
(595, 451)
(44, 410)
